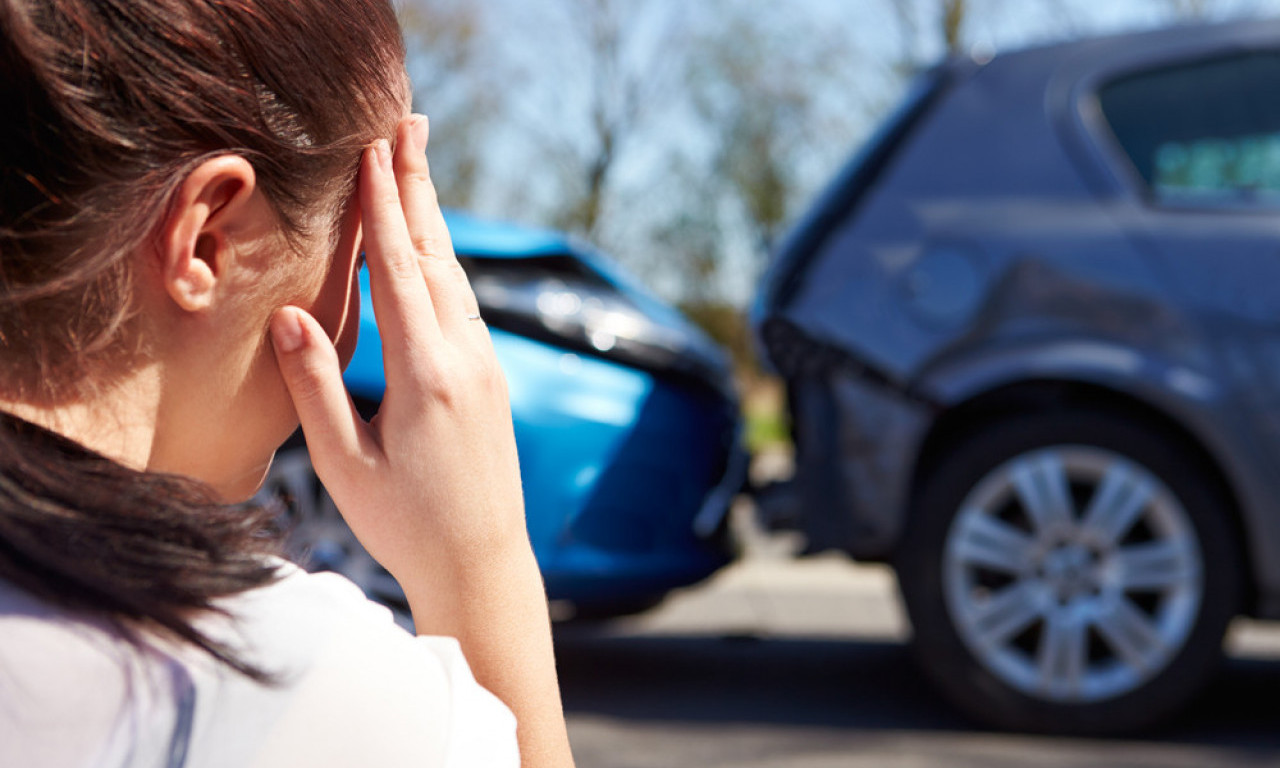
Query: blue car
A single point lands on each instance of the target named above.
(626, 421)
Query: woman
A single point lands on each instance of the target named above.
(187, 188)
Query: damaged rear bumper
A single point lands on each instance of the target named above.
(856, 433)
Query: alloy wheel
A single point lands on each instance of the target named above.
(1072, 573)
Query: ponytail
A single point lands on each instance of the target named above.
(145, 551)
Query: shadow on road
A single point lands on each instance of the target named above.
(843, 684)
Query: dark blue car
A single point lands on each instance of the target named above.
(1031, 338)
(625, 416)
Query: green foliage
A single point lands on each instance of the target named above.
(766, 426)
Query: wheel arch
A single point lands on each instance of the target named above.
(1015, 398)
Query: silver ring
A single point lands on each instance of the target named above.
(473, 317)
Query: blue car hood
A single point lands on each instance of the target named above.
(480, 239)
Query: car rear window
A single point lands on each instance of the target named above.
(1204, 130)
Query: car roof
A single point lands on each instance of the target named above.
(1023, 123)
(1029, 122)
(1143, 48)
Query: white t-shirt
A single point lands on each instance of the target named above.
(354, 689)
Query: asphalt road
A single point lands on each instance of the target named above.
(776, 662)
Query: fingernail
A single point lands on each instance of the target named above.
(286, 331)
(382, 148)
(421, 130)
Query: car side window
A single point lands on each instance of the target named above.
(1207, 131)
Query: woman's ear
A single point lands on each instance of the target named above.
(196, 238)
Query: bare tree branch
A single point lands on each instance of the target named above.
(453, 85)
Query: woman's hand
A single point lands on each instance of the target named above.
(433, 479)
(431, 485)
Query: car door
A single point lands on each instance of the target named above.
(1198, 142)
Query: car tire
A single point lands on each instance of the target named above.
(1079, 624)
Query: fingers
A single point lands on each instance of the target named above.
(401, 301)
(450, 291)
(309, 364)
(426, 224)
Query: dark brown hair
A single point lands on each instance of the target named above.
(109, 104)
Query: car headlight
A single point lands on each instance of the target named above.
(561, 300)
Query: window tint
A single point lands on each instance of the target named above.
(1209, 129)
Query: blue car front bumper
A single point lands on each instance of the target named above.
(627, 476)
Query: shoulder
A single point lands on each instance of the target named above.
(358, 689)
(353, 688)
(72, 692)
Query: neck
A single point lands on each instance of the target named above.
(118, 421)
